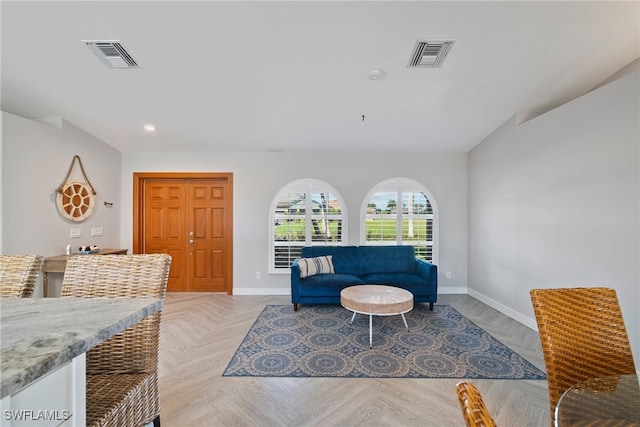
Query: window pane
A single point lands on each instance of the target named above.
(304, 218)
(416, 214)
(289, 229)
(289, 218)
(425, 253)
(326, 218)
(285, 255)
(381, 220)
(417, 223)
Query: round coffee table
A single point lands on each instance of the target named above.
(376, 300)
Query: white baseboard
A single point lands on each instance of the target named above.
(452, 290)
(517, 316)
(262, 291)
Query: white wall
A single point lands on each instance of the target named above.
(555, 202)
(35, 160)
(258, 177)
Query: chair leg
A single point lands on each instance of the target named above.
(156, 421)
(431, 306)
(295, 307)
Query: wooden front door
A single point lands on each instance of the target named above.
(188, 216)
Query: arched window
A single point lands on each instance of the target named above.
(307, 212)
(401, 211)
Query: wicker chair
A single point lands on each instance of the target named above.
(474, 410)
(583, 336)
(18, 274)
(122, 372)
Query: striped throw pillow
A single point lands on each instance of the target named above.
(317, 265)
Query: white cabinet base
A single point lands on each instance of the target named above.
(57, 399)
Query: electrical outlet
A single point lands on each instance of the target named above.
(74, 233)
(448, 275)
(97, 231)
(257, 275)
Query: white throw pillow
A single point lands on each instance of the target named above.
(317, 265)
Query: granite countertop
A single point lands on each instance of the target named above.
(38, 335)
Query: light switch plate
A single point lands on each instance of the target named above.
(97, 231)
(75, 233)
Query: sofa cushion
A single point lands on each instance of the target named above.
(315, 265)
(327, 284)
(330, 279)
(393, 279)
(410, 282)
(345, 258)
(387, 259)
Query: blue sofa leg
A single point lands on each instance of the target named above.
(295, 307)
(431, 306)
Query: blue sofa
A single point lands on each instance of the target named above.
(359, 265)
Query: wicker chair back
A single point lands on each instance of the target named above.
(122, 372)
(18, 274)
(583, 336)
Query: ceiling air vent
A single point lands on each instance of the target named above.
(430, 53)
(112, 53)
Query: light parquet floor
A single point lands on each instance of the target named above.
(200, 333)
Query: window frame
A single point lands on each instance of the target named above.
(399, 186)
(306, 186)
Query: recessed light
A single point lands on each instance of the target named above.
(149, 127)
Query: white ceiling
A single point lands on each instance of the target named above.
(292, 76)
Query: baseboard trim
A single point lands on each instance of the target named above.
(262, 291)
(453, 290)
(517, 316)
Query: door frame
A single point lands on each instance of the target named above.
(138, 207)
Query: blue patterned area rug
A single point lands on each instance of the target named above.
(318, 341)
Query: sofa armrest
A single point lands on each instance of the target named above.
(295, 282)
(427, 271)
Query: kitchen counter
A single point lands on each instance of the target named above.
(39, 335)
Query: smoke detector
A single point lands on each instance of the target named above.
(429, 53)
(374, 74)
(112, 53)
